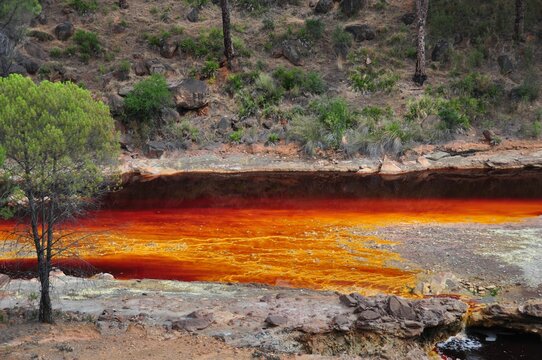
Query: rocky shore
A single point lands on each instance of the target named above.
(272, 320)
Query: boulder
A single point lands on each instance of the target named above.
(40, 35)
(168, 49)
(440, 51)
(193, 15)
(30, 65)
(342, 323)
(197, 320)
(155, 67)
(400, 308)
(408, 18)
(64, 31)
(116, 104)
(169, 115)
(190, 94)
(4, 280)
(291, 52)
(141, 69)
(276, 320)
(348, 300)
(323, 6)
(352, 7)
(361, 32)
(35, 50)
(125, 90)
(155, 149)
(224, 124)
(506, 65)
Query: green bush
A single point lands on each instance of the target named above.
(294, 78)
(529, 90)
(341, 38)
(88, 44)
(56, 53)
(148, 98)
(367, 79)
(209, 44)
(312, 30)
(268, 24)
(83, 6)
(236, 136)
(209, 69)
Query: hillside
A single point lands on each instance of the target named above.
(301, 82)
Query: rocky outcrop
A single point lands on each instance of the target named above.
(525, 317)
(352, 7)
(190, 94)
(4, 280)
(64, 31)
(361, 32)
(197, 320)
(323, 6)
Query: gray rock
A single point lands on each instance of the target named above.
(506, 65)
(64, 31)
(400, 308)
(291, 53)
(193, 15)
(155, 149)
(348, 300)
(369, 315)
(30, 65)
(440, 51)
(125, 90)
(224, 124)
(168, 49)
(4, 280)
(533, 309)
(361, 32)
(408, 18)
(438, 155)
(276, 320)
(15, 68)
(352, 7)
(5, 44)
(197, 320)
(169, 115)
(342, 323)
(141, 69)
(116, 104)
(40, 35)
(323, 6)
(155, 67)
(35, 50)
(191, 94)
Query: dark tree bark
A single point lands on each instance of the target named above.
(519, 25)
(228, 44)
(420, 76)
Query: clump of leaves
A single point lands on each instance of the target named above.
(148, 98)
(88, 44)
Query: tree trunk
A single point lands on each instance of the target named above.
(45, 310)
(420, 75)
(228, 44)
(519, 25)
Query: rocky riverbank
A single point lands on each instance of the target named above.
(272, 320)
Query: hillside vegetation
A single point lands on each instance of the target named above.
(307, 72)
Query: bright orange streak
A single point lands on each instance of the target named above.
(303, 243)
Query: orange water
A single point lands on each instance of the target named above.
(314, 244)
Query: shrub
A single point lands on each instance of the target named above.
(336, 116)
(83, 6)
(246, 103)
(367, 79)
(208, 44)
(148, 98)
(341, 38)
(209, 69)
(55, 53)
(312, 30)
(273, 138)
(268, 24)
(88, 43)
(256, 7)
(236, 136)
(294, 78)
(529, 90)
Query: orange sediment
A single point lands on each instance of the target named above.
(318, 244)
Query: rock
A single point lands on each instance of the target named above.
(533, 308)
(369, 315)
(35, 51)
(197, 320)
(361, 32)
(53, 71)
(155, 149)
(5, 44)
(342, 323)
(116, 104)
(40, 35)
(64, 31)
(323, 6)
(4, 280)
(168, 49)
(125, 90)
(348, 300)
(155, 67)
(400, 308)
(191, 94)
(276, 320)
(224, 124)
(291, 53)
(352, 7)
(438, 155)
(440, 51)
(31, 66)
(123, 4)
(488, 135)
(193, 15)
(408, 18)
(390, 167)
(103, 276)
(15, 68)
(141, 69)
(169, 115)
(506, 65)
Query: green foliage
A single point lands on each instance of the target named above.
(268, 24)
(83, 6)
(312, 30)
(455, 114)
(341, 38)
(246, 103)
(88, 44)
(148, 98)
(368, 79)
(336, 116)
(273, 138)
(208, 44)
(236, 82)
(529, 90)
(209, 69)
(56, 53)
(296, 79)
(236, 136)
(182, 131)
(401, 46)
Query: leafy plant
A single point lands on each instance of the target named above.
(148, 98)
(367, 79)
(236, 136)
(312, 30)
(83, 6)
(88, 43)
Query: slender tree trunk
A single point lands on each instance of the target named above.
(228, 44)
(45, 310)
(519, 25)
(420, 75)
